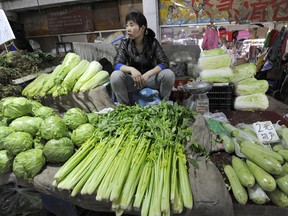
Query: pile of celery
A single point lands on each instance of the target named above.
(135, 159)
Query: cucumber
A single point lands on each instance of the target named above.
(238, 190)
(285, 167)
(284, 154)
(264, 150)
(243, 172)
(285, 136)
(227, 143)
(282, 184)
(263, 179)
(278, 198)
(277, 147)
(266, 162)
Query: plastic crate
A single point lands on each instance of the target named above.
(221, 97)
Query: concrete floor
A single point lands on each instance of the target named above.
(278, 106)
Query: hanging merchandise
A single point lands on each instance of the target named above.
(210, 39)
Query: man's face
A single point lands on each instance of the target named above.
(134, 31)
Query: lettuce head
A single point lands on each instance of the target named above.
(28, 164)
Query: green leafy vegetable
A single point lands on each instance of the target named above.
(27, 124)
(6, 162)
(15, 107)
(58, 151)
(17, 142)
(28, 164)
(82, 133)
(53, 127)
(251, 102)
(4, 132)
(75, 117)
(44, 112)
(243, 71)
(251, 86)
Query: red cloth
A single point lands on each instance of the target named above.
(210, 39)
(273, 35)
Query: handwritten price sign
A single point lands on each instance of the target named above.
(266, 132)
(6, 33)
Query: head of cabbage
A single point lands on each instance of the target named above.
(4, 132)
(43, 112)
(17, 142)
(6, 162)
(75, 117)
(58, 151)
(82, 133)
(28, 164)
(15, 107)
(26, 124)
(53, 127)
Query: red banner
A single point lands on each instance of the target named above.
(192, 11)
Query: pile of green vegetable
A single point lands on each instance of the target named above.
(32, 135)
(18, 64)
(258, 171)
(135, 159)
(73, 74)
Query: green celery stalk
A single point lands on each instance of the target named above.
(143, 185)
(95, 178)
(76, 158)
(148, 197)
(77, 173)
(173, 177)
(165, 198)
(134, 174)
(94, 162)
(155, 207)
(123, 170)
(177, 205)
(106, 185)
(185, 188)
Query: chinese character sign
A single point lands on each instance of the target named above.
(266, 132)
(197, 11)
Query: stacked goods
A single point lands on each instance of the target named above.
(258, 171)
(32, 135)
(135, 159)
(215, 66)
(18, 64)
(250, 92)
(73, 74)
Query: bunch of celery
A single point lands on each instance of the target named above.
(135, 159)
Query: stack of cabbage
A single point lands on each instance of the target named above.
(258, 172)
(250, 92)
(215, 66)
(32, 134)
(73, 74)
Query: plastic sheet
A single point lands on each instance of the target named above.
(17, 200)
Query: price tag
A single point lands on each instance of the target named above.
(266, 132)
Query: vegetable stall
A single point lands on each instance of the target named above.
(131, 159)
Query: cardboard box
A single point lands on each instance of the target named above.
(106, 16)
(126, 6)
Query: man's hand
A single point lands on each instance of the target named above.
(138, 78)
(145, 77)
